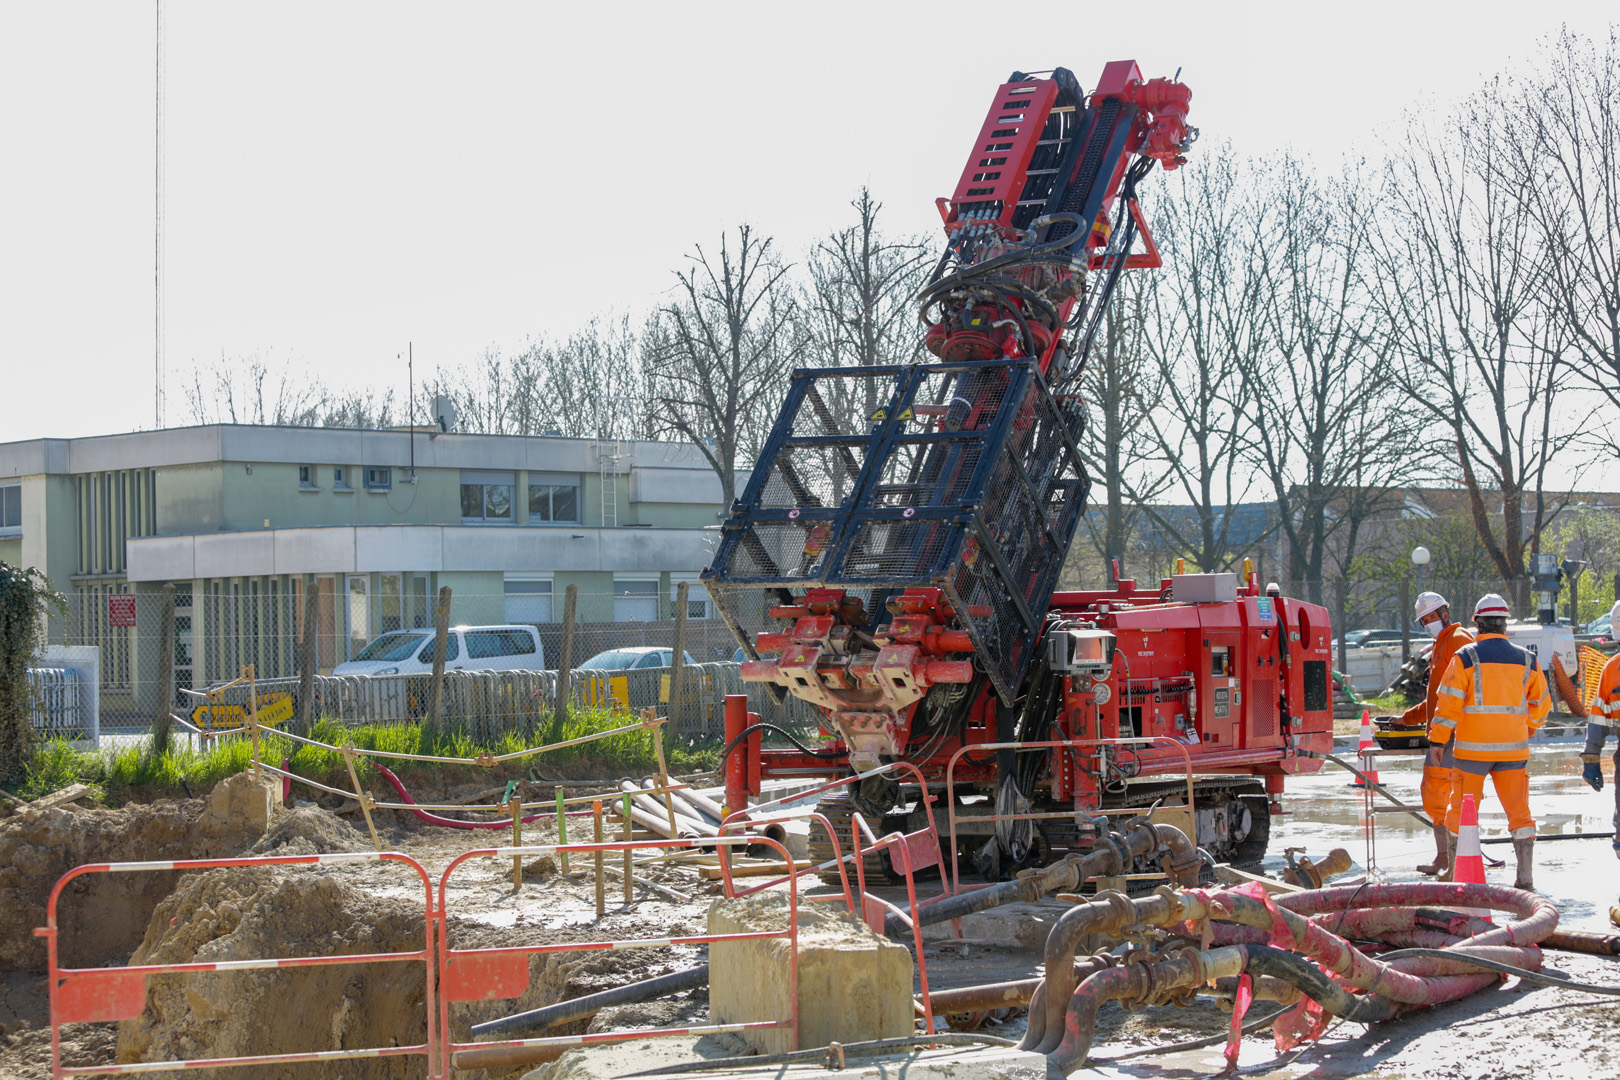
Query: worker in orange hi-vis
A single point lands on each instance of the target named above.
(1492, 697)
(1434, 615)
(1604, 715)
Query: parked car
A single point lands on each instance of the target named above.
(1600, 627)
(473, 648)
(633, 658)
(1373, 638)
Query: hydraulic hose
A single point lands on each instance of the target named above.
(1315, 984)
(449, 823)
(1450, 955)
(578, 1008)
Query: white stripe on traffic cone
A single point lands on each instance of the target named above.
(1368, 769)
(1470, 868)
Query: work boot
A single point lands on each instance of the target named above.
(1614, 915)
(1451, 855)
(1442, 858)
(1524, 854)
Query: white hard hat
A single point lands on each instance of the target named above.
(1491, 606)
(1614, 618)
(1429, 602)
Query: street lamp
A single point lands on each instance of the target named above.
(1420, 559)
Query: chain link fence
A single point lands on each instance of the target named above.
(217, 633)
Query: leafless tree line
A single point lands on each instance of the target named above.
(1319, 342)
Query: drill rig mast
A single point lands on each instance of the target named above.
(905, 525)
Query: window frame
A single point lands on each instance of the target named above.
(551, 483)
(306, 478)
(5, 529)
(384, 483)
(550, 593)
(697, 594)
(340, 478)
(485, 480)
(621, 580)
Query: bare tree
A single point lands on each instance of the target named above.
(717, 354)
(1330, 435)
(1123, 388)
(1460, 282)
(1560, 138)
(1199, 320)
(255, 392)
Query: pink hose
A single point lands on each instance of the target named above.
(449, 823)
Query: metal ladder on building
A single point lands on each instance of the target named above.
(609, 465)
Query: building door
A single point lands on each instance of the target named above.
(184, 668)
(419, 601)
(328, 645)
(390, 609)
(357, 588)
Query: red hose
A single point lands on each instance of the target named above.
(449, 823)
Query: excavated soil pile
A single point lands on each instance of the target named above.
(242, 914)
(102, 916)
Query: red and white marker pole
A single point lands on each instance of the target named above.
(1368, 769)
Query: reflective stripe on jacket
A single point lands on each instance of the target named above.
(1446, 645)
(1492, 697)
(1605, 709)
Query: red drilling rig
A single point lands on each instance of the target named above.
(894, 557)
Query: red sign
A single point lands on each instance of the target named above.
(121, 609)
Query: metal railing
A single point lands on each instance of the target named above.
(61, 707)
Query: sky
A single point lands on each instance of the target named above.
(346, 180)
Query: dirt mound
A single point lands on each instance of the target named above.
(102, 916)
(309, 830)
(242, 914)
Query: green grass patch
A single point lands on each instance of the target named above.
(136, 772)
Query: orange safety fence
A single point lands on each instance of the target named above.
(99, 995)
(488, 974)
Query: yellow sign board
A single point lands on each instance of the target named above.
(606, 692)
(275, 708)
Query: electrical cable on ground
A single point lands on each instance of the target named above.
(1249, 1027)
(1505, 969)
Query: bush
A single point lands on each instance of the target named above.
(25, 599)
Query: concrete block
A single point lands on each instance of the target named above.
(853, 984)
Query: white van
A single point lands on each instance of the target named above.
(470, 648)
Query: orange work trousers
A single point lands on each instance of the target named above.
(1512, 782)
(1437, 781)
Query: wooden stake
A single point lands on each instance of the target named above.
(663, 777)
(562, 830)
(601, 897)
(364, 799)
(253, 716)
(517, 841)
(627, 836)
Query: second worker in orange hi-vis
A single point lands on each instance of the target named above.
(1492, 697)
(1434, 615)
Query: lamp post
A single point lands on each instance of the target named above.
(1420, 559)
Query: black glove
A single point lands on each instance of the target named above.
(1592, 773)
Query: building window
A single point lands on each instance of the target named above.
(340, 478)
(528, 598)
(379, 478)
(306, 478)
(10, 510)
(554, 502)
(635, 599)
(697, 597)
(487, 496)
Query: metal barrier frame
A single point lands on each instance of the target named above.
(95, 995)
(506, 969)
(950, 770)
(897, 840)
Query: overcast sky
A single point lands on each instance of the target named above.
(344, 178)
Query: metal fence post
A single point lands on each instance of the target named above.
(677, 705)
(1406, 619)
(306, 660)
(565, 663)
(165, 673)
(441, 639)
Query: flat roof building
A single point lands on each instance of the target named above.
(243, 519)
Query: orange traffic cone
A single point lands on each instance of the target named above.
(1368, 769)
(1469, 868)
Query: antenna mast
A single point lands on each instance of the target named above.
(157, 237)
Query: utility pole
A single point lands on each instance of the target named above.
(157, 231)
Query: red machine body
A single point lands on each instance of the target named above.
(907, 559)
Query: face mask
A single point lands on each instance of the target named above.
(1435, 627)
